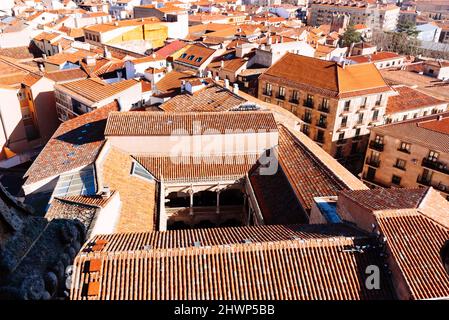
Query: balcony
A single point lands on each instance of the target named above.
(279, 97)
(404, 150)
(428, 182)
(308, 104)
(267, 93)
(341, 141)
(294, 101)
(435, 165)
(323, 108)
(373, 162)
(376, 145)
(319, 139)
(307, 119)
(322, 124)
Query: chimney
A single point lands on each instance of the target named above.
(106, 53)
(226, 83)
(222, 64)
(440, 117)
(209, 74)
(217, 78)
(106, 192)
(90, 60)
(169, 67)
(153, 55)
(44, 56)
(235, 88)
(183, 85)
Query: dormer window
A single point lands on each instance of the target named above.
(184, 55)
(198, 59)
(191, 57)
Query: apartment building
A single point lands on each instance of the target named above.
(78, 97)
(337, 103)
(413, 153)
(376, 16)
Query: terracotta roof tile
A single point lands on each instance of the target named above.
(308, 176)
(387, 199)
(188, 168)
(305, 270)
(328, 77)
(415, 242)
(61, 76)
(134, 241)
(96, 90)
(195, 52)
(76, 143)
(410, 99)
(159, 123)
(211, 98)
(138, 196)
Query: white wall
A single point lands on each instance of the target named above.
(213, 144)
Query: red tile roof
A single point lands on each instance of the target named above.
(211, 98)
(387, 199)
(415, 241)
(119, 242)
(193, 53)
(75, 144)
(410, 99)
(326, 77)
(171, 48)
(161, 123)
(200, 168)
(379, 56)
(296, 269)
(308, 176)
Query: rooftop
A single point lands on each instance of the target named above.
(327, 77)
(211, 98)
(75, 144)
(410, 99)
(161, 123)
(96, 90)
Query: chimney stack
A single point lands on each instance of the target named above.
(235, 88)
(106, 192)
(226, 83)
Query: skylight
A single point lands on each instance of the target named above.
(138, 170)
(79, 183)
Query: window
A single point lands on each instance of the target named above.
(347, 105)
(138, 170)
(405, 147)
(404, 117)
(425, 113)
(78, 183)
(295, 96)
(379, 139)
(341, 136)
(268, 88)
(433, 156)
(309, 101)
(198, 59)
(375, 115)
(360, 120)
(396, 180)
(184, 55)
(400, 164)
(364, 100)
(379, 100)
(191, 57)
(357, 132)
(344, 121)
(281, 93)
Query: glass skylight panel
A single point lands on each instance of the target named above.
(78, 183)
(140, 171)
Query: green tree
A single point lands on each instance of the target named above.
(350, 36)
(409, 28)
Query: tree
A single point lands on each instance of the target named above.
(409, 28)
(350, 36)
